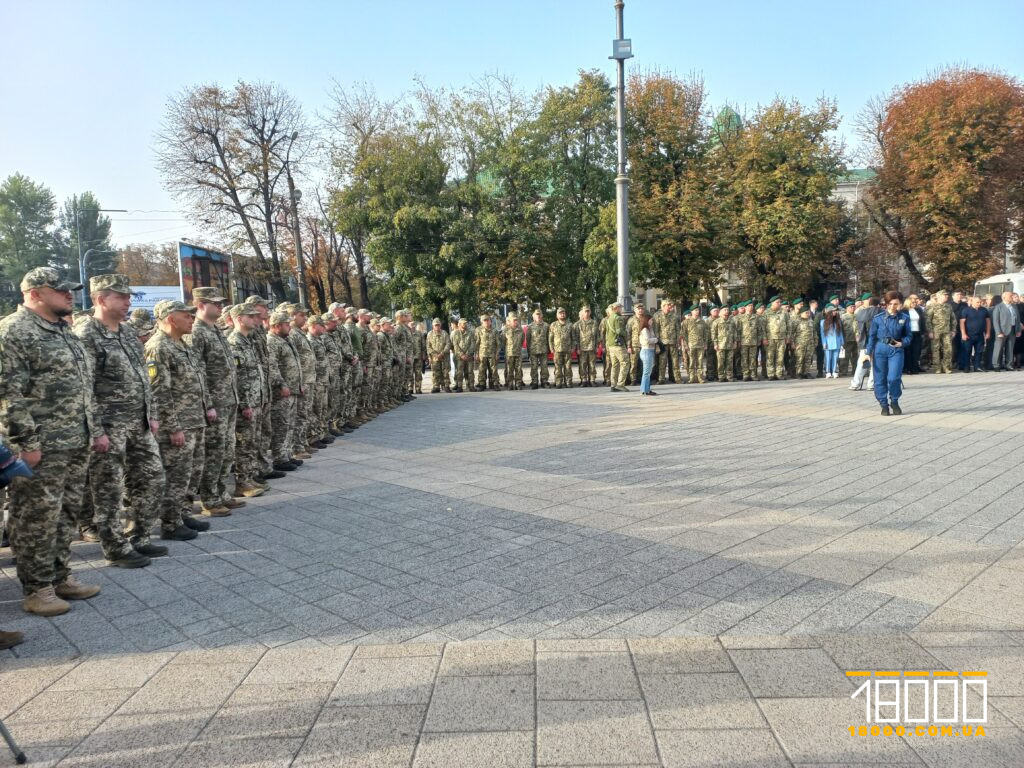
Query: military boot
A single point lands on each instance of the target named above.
(218, 510)
(10, 639)
(194, 524)
(72, 589)
(44, 602)
(181, 533)
(249, 490)
(232, 503)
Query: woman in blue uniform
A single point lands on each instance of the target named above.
(888, 338)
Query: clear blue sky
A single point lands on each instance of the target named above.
(86, 82)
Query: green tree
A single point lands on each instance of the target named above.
(26, 226)
(95, 229)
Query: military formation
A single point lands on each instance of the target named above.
(137, 427)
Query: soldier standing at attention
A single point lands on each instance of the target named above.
(537, 347)
(251, 380)
(286, 384)
(318, 402)
(259, 339)
(586, 343)
(666, 328)
(211, 353)
(438, 347)
(778, 336)
(463, 349)
(941, 322)
(419, 357)
(337, 370)
(487, 355)
(849, 325)
(302, 435)
(561, 339)
(182, 407)
(131, 470)
(512, 340)
(633, 326)
(697, 336)
(615, 344)
(750, 342)
(48, 415)
(723, 336)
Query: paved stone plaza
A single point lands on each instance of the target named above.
(565, 578)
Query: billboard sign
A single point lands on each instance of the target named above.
(146, 296)
(203, 267)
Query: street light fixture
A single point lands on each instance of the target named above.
(81, 258)
(294, 195)
(622, 49)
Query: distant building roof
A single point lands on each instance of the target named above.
(854, 175)
(727, 121)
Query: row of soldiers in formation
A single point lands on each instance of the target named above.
(748, 341)
(127, 421)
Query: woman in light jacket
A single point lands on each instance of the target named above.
(648, 343)
(831, 340)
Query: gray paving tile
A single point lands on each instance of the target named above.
(720, 749)
(495, 703)
(593, 733)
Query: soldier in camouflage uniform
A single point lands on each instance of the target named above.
(212, 354)
(253, 391)
(302, 436)
(318, 403)
(606, 363)
(711, 359)
(697, 336)
(131, 470)
(407, 350)
(371, 364)
(615, 343)
(750, 338)
(633, 327)
(512, 337)
(182, 406)
(48, 413)
(803, 345)
(350, 344)
(778, 329)
(561, 340)
(537, 347)
(941, 322)
(586, 343)
(266, 431)
(849, 323)
(666, 327)
(438, 347)
(286, 385)
(463, 348)
(487, 355)
(142, 323)
(419, 357)
(336, 370)
(390, 367)
(724, 339)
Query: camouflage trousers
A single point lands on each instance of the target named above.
(588, 366)
(487, 375)
(711, 369)
(266, 435)
(775, 351)
(563, 369)
(303, 406)
(669, 362)
(43, 508)
(355, 392)
(538, 370)
(848, 363)
(803, 354)
(463, 373)
(248, 439)
(282, 424)
(514, 370)
(367, 392)
(696, 369)
(748, 361)
(126, 482)
(416, 375)
(181, 463)
(318, 421)
(439, 374)
(725, 364)
(620, 366)
(219, 457)
(942, 353)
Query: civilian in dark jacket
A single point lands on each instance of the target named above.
(1005, 330)
(918, 331)
(975, 328)
(959, 305)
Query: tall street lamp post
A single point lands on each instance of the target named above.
(622, 49)
(81, 256)
(295, 195)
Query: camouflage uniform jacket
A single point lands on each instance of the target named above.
(120, 383)
(355, 338)
(512, 340)
(537, 338)
(725, 333)
(343, 340)
(614, 331)
(633, 329)
(419, 346)
(307, 358)
(269, 365)
(803, 332)
(210, 349)
(371, 347)
(463, 343)
(286, 361)
(401, 338)
(486, 342)
(696, 332)
(779, 325)
(389, 350)
(750, 330)
(561, 336)
(586, 335)
(319, 349)
(179, 386)
(46, 392)
(438, 345)
(666, 327)
(249, 373)
(849, 323)
(335, 360)
(940, 318)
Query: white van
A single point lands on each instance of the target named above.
(993, 286)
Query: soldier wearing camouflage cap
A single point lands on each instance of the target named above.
(48, 413)
(439, 346)
(463, 349)
(561, 341)
(537, 347)
(487, 355)
(512, 337)
(131, 470)
(302, 436)
(286, 386)
(586, 343)
(251, 385)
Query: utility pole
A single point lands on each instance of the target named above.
(622, 49)
(295, 195)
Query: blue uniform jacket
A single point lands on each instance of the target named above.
(885, 326)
